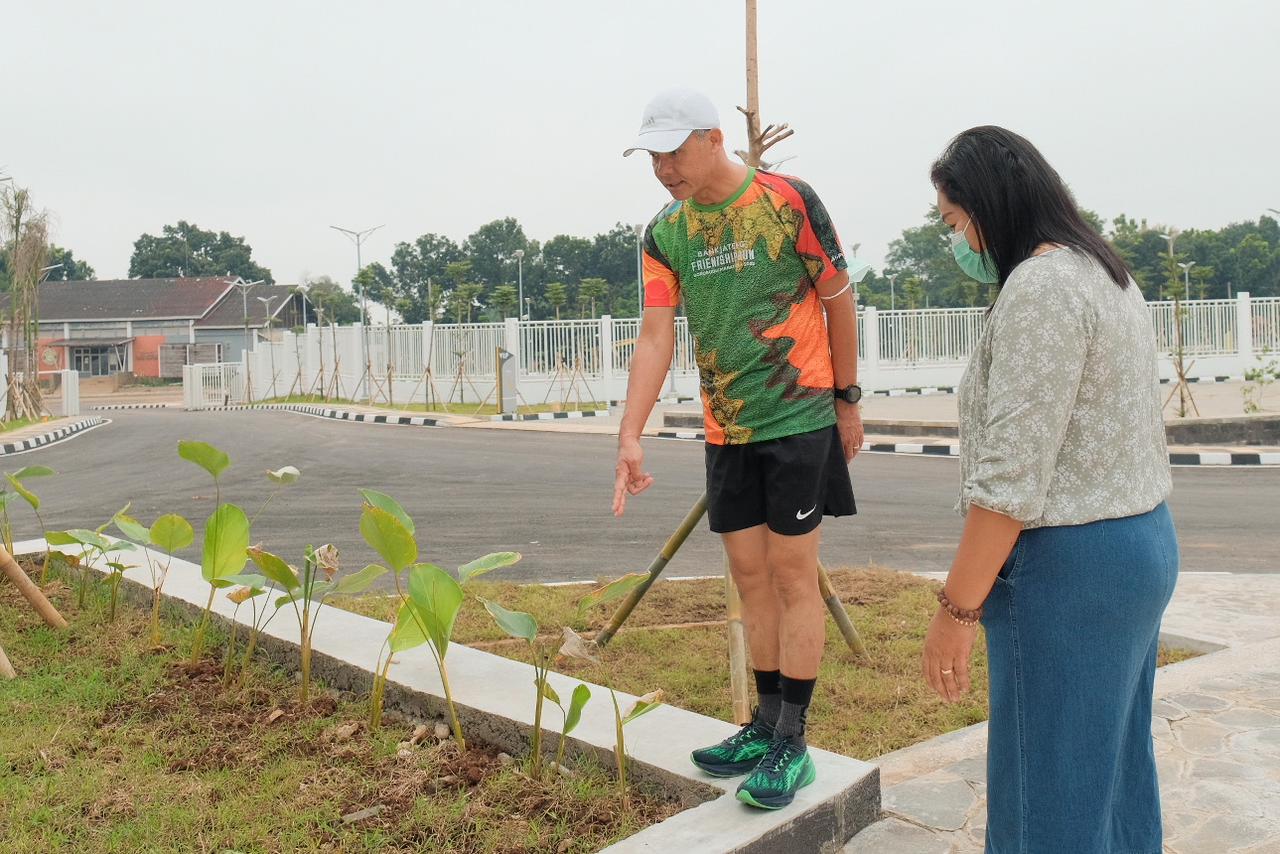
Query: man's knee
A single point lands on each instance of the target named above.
(751, 576)
(794, 583)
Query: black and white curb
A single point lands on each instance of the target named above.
(107, 406)
(1202, 458)
(50, 438)
(551, 416)
(336, 414)
(1206, 380)
(921, 391)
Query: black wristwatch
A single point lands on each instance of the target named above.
(849, 394)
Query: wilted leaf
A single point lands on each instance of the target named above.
(576, 646)
(275, 716)
(27, 494)
(226, 541)
(275, 568)
(581, 695)
(548, 692)
(206, 456)
(387, 535)
(488, 563)
(172, 533)
(32, 471)
(643, 705)
(388, 504)
(241, 595)
(358, 582)
(610, 592)
(131, 528)
(436, 598)
(284, 476)
(326, 558)
(518, 624)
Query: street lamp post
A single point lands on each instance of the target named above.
(1186, 279)
(266, 303)
(245, 287)
(357, 237)
(639, 229)
(893, 278)
(519, 253)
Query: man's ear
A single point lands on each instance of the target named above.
(716, 136)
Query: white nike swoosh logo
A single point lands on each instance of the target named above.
(800, 515)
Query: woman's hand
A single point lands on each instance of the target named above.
(945, 661)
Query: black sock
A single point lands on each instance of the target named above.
(769, 690)
(796, 696)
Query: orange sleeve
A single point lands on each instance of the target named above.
(661, 284)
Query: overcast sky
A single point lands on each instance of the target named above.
(273, 120)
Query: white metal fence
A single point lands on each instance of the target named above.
(898, 349)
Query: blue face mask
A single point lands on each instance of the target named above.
(975, 265)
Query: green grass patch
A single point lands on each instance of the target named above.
(436, 406)
(110, 745)
(19, 423)
(861, 708)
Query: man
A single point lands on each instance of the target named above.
(758, 266)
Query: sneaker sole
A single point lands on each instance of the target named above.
(777, 803)
(725, 770)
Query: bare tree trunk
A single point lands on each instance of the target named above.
(758, 141)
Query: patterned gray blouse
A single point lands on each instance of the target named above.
(1060, 411)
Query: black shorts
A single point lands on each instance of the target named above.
(788, 484)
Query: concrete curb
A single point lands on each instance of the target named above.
(552, 416)
(52, 437)
(1203, 458)
(495, 704)
(107, 406)
(336, 414)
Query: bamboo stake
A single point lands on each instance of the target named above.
(29, 591)
(737, 650)
(839, 614)
(658, 564)
(6, 669)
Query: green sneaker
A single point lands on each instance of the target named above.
(738, 753)
(783, 770)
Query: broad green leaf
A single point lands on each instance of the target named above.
(407, 632)
(206, 456)
(281, 601)
(226, 541)
(319, 590)
(518, 624)
(32, 471)
(385, 502)
(581, 695)
(284, 476)
(121, 546)
(274, 568)
(437, 598)
(131, 528)
(387, 535)
(61, 538)
(253, 582)
(89, 538)
(549, 692)
(488, 563)
(171, 532)
(24, 492)
(358, 582)
(643, 706)
(611, 592)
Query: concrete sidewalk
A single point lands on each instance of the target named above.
(1216, 728)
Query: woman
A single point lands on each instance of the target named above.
(1068, 555)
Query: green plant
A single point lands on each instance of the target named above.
(577, 647)
(305, 591)
(169, 533)
(578, 700)
(519, 624)
(251, 587)
(94, 546)
(1256, 382)
(19, 489)
(429, 607)
(262, 616)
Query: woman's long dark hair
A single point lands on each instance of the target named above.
(1017, 200)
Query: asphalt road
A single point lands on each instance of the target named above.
(544, 494)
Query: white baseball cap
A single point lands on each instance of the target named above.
(671, 117)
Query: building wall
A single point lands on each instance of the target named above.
(232, 341)
(146, 354)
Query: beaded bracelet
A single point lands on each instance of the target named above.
(960, 615)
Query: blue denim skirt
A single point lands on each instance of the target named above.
(1072, 627)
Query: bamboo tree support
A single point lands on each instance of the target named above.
(30, 591)
(6, 669)
(738, 687)
(839, 614)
